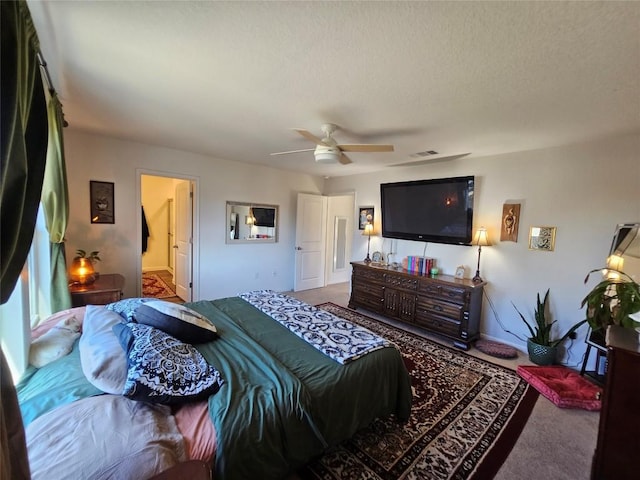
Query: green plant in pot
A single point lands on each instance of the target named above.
(542, 349)
(613, 301)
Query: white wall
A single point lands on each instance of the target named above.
(224, 269)
(584, 190)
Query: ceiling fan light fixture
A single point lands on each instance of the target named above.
(328, 151)
(327, 154)
(327, 157)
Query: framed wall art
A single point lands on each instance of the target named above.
(365, 216)
(510, 220)
(542, 238)
(101, 198)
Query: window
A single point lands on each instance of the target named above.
(29, 303)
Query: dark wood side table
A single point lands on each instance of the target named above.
(106, 289)
(618, 445)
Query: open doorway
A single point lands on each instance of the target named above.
(167, 237)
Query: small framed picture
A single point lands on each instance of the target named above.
(460, 271)
(365, 216)
(101, 198)
(542, 238)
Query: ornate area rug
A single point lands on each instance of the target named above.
(153, 286)
(466, 416)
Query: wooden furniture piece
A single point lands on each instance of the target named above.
(106, 289)
(617, 445)
(440, 304)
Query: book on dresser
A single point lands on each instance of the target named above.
(440, 304)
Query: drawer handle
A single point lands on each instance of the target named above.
(437, 307)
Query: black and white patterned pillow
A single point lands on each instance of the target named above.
(179, 321)
(126, 307)
(162, 369)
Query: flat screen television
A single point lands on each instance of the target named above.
(265, 217)
(436, 210)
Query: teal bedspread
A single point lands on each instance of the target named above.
(56, 384)
(284, 402)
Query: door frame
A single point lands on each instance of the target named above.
(195, 240)
(331, 238)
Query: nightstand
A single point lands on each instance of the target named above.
(106, 289)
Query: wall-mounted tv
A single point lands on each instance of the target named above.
(436, 210)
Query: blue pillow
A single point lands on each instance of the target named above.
(126, 307)
(179, 321)
(162, 369)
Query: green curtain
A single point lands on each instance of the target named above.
(55, 201)
(23, 136)
(24, 140)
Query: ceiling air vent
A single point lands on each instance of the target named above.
(426, 153)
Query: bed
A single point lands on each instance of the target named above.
(279, 400)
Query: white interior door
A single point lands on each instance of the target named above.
(310, 241)
(183, 240)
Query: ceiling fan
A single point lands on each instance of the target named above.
(327, 150)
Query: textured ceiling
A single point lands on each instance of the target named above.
(230, 79)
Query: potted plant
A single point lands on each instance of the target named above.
(542, 349)
(82, 269)
(613, 301)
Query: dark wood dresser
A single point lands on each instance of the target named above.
(440, 304)
(106, 289)
(619, 429)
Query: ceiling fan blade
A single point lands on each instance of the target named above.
(310, 136)
(365, 147)
(344, 160)
(293, 151)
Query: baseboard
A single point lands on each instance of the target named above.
(154, 269)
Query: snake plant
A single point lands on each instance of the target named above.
(541, 329)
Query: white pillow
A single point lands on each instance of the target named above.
(103, 360)
(56, 343)
(179, 321)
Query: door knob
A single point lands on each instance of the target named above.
(298, 248)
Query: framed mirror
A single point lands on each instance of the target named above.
(251, 223)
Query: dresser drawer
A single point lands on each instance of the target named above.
(368, 275)
(95, 298)
(401, 282)
(436, 323)
(369, 302)
(429, 306)
(446, 292)
(368, 289)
